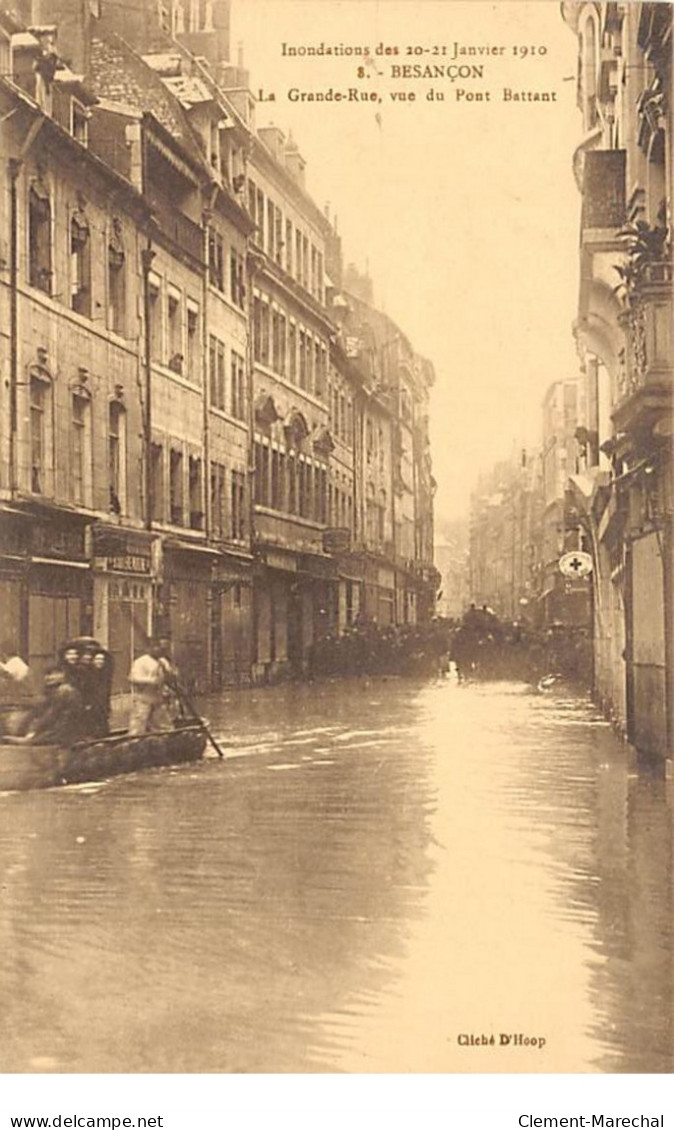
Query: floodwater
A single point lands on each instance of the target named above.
(381, 877)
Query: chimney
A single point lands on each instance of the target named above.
(210, 38)
(274, 140)
(294, 161)
(71, 19)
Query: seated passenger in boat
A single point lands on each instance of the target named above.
(88, 668)
(101, 691)
(16, 689)
(59, 718)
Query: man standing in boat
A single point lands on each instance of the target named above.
(147, 677)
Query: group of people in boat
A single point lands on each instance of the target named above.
(74, 704)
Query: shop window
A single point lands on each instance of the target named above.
(40, 405)
(196, 496)
(40, 237)
(238, 506)
(238, 372)
(176, 487)
(116, 281)
(80, 264)
(80, 447)
(117, 457)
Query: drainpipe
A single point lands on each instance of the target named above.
(15, 165)
(206, 217)
(147, 257)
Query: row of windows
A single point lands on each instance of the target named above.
(174, 330)
(177, 490)
(290, 484)
(228, 398)
(174, 319)
(78, 286)
(288, 349)
(286, 244)
(79, 447)
(229, 517)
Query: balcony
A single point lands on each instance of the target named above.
(647, 381)
(183, 232)
(287, 532)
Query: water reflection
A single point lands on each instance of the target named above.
(376, 868)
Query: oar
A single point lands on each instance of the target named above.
(186, 701)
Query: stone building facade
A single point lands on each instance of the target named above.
(623, 167)
(206, 433)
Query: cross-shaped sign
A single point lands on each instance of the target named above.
(578, 564)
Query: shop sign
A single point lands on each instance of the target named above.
(337, 540)
(129, 563)
(56, 541)
(577, 564)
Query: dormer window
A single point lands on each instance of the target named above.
(79, 122)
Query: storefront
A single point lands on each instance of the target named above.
(184, 609)
(123, 595)
(231, 622)
(45, 582)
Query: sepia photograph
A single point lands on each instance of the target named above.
(336, 540)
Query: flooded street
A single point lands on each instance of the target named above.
(378, 872)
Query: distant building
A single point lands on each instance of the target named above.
(562, 600)
(505, 534)
(453, 564)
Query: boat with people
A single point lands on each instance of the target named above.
(64, 737)
(26, 766)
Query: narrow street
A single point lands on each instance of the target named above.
(378, 868)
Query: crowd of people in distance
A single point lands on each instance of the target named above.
(477, 646)
(76, 694)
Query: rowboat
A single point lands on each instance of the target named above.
(44, 766)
